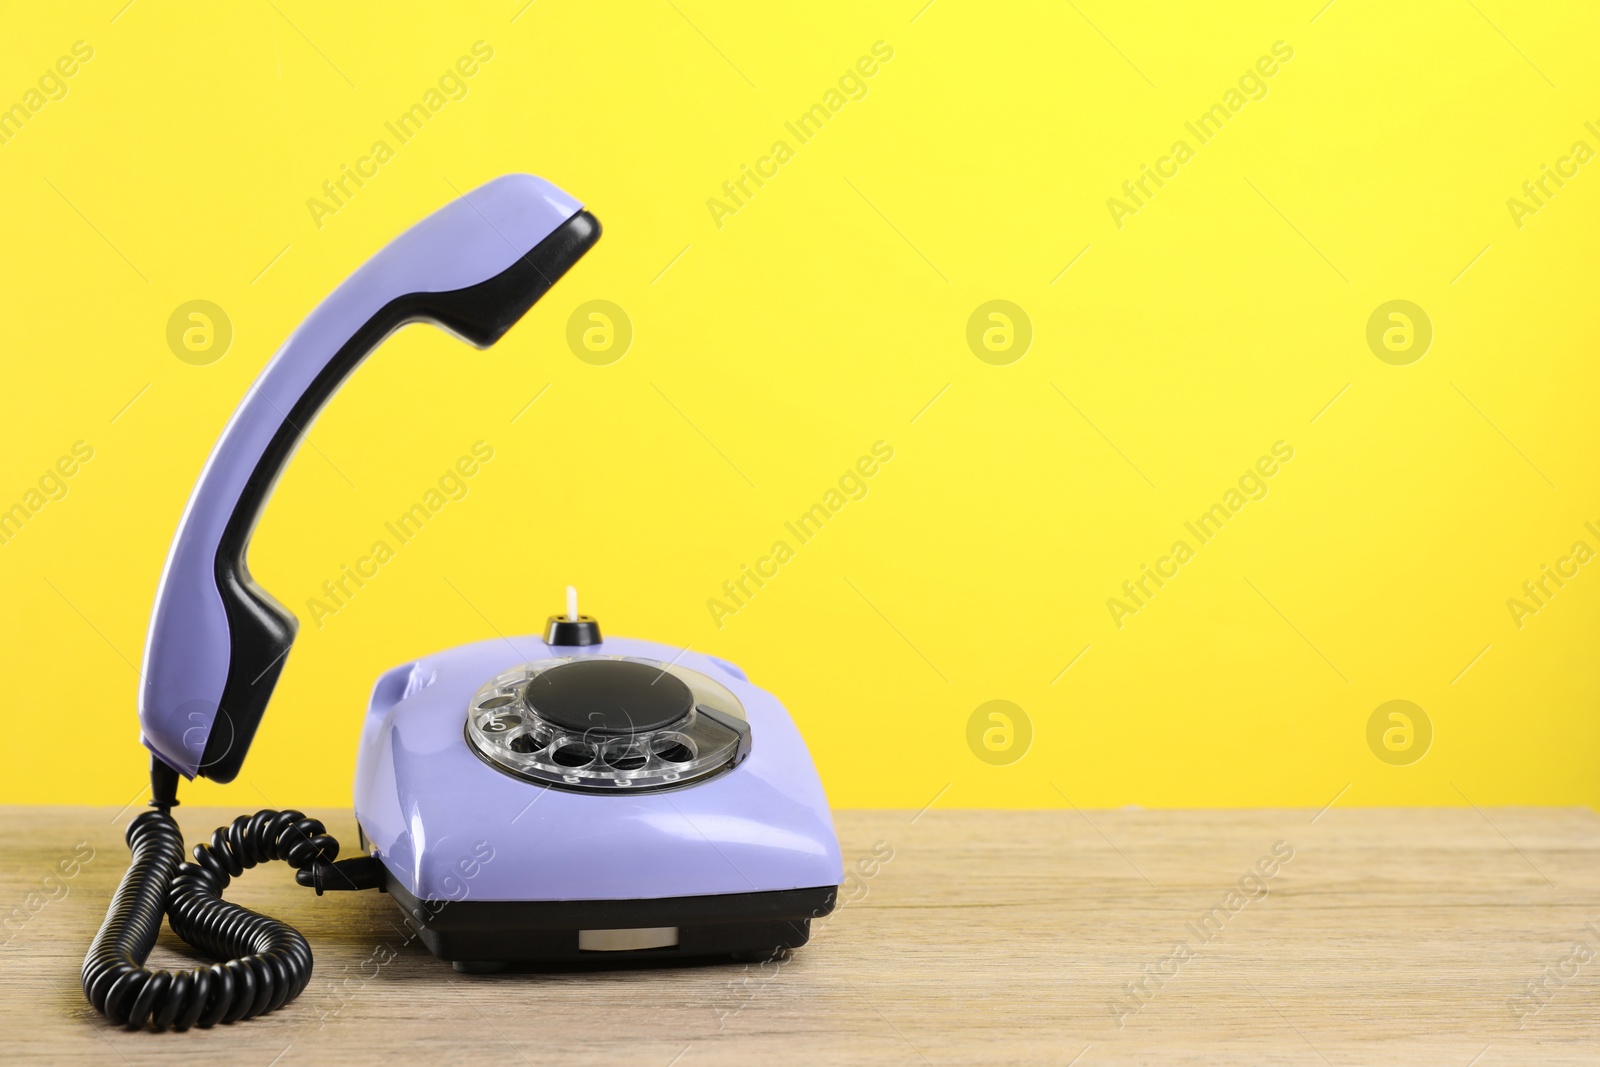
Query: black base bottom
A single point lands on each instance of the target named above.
(482, 936)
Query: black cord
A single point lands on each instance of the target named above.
(267, 963)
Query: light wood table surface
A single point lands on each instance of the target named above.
(1390, 936)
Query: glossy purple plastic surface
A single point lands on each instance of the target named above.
(433, 810)
(187, 651)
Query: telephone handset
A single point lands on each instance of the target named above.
(217, 640)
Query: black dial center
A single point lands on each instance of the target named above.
(609, 696)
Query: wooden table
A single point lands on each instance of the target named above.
(1048, 937)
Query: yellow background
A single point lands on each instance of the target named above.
(821, 318)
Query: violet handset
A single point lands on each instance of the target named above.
(217, 640)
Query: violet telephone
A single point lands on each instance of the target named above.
(548, 799)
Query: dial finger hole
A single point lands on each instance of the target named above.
(674, 749)
(626, 755)
(573, 754)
